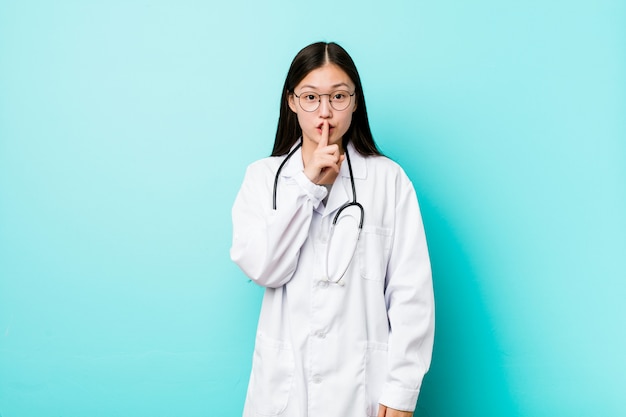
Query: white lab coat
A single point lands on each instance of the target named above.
(322, 349)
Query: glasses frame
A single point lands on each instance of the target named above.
(319, 101)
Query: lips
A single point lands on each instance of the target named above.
(330, 128)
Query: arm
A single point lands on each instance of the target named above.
(266, 242)
(410, 303)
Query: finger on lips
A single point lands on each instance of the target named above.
(324, 139)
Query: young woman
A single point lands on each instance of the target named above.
(332, 230)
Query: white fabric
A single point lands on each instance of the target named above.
(322, 349)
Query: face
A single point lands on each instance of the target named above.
(324, 81)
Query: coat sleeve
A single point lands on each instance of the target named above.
(266, 242)
(410, 303)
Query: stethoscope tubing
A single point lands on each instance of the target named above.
(354, 202)
(280, 168)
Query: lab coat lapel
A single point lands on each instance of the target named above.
(341, 193)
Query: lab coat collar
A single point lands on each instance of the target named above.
(359, 169)
(294, 164)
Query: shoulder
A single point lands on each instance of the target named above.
(383, 162)
(264, 165)
(261, 171)
(378, 165)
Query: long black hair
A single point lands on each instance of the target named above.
(308, 59)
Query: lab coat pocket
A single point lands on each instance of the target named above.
(375, 375)
(374, 246)
(272, 376)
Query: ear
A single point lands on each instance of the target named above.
(355, 106)
(292, 102)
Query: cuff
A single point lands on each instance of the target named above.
(315, 192)
(399, 398)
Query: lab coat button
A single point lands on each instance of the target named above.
(323, 284)
(317, 380)
(321, 335)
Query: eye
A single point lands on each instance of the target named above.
(340, 96)
(310, 97)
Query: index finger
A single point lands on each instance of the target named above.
(324, 139)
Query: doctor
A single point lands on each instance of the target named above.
(333, 231)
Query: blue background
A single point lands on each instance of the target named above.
(125, 130)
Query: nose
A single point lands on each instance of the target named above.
(325, 109)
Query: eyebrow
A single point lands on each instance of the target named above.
(334, 86)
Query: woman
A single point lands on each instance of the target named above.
(332, 230)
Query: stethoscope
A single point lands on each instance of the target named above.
(354, 203)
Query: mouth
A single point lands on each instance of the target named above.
(330, 128)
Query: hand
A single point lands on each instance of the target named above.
(384, 411)
(323, 165)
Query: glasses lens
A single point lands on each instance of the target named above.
(340, 100)
(309, 101)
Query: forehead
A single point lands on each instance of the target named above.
(326, 77)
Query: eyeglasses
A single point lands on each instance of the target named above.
(339, 100)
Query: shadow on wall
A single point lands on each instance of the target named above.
(467, 376)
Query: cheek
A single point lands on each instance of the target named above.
(346, 122)
(303, 121)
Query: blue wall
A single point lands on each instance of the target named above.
(125, 129)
